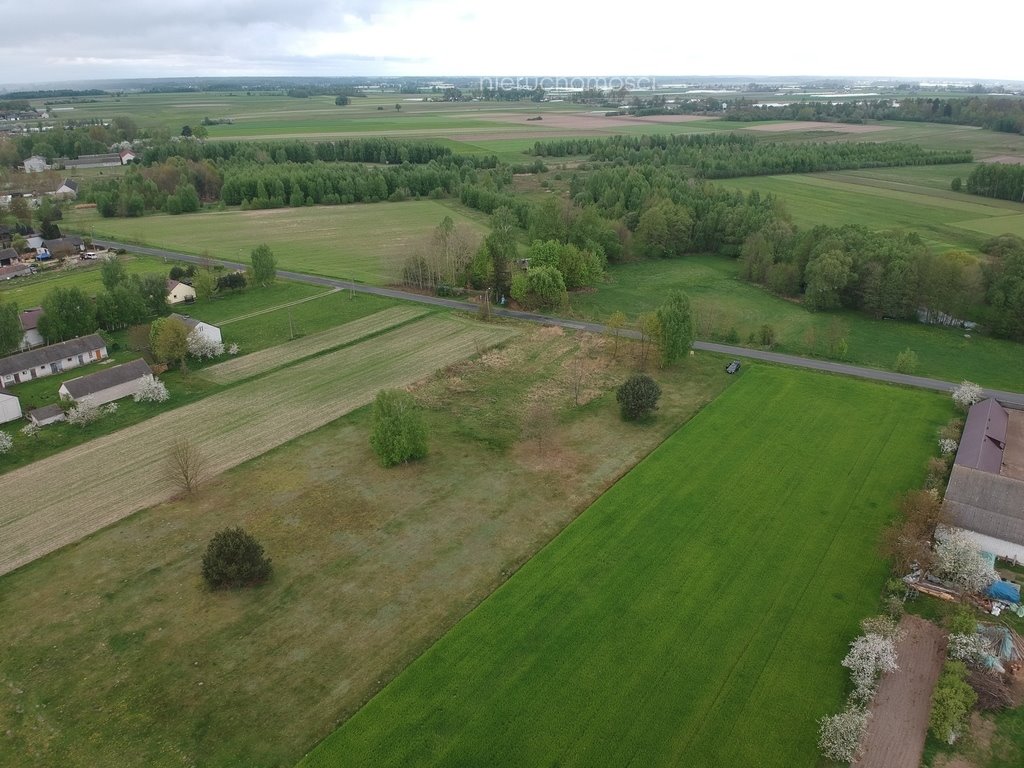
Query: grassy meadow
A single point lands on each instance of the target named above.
(29, 291)
(116, 655)
(715, 586)
(366, 243)
(722, 302)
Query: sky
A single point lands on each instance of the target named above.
(528, 38)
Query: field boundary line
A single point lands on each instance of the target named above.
(268, 310)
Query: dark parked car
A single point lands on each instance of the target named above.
(733, 366)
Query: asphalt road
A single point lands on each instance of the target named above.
(1010, 398)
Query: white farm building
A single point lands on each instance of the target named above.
(107, 385)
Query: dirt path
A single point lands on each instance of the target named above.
(279, 306)
(896, 731)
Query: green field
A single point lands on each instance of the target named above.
(722, 301)
(366, 243)
(944, 219)
(29, 291)
(714, 588)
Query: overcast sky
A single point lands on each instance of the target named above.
(62, 40)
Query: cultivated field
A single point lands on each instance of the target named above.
(713, 588)
(115, 654)
(366, 243)
(247, 366)
(113, 476)
(945, 219)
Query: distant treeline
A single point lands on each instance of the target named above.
(376, 149)
(718, 156)
(1002, 180)
(997, 114)
(57, 94)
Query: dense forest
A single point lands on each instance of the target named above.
(725, 155)
(996, 114)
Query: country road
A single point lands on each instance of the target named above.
(1015, 399)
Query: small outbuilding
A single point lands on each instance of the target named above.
(107, 385)
(30, 335)
(67, 190)
(10, 408)
(178, 292)
(48, 414)
(206, 330)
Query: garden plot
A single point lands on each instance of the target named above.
(265, 360)
(58, 500)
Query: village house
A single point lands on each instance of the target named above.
(10, 408)
(107, 385)
(31, 337)
(206, 330)
(127, 156)
(177, 292)
(985, 494)
(35, 164)
(62, 247)
(46, 361)
(68, 190)
(8, 256)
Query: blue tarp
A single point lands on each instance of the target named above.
(1005, 591)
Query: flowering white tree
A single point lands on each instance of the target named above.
(152, 391)
(6, 442)
(967, 648)
(233, 349)
(30, 430)
(948, 446)
(84, 413)
(870, 656)
(967, 394)
(840, 735)
(200, 346)
(108, 409)
(958, 559)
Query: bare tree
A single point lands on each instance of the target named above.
(537, 420)
(186, 465)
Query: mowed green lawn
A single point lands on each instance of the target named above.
(367, 243)
(695, 615)
(29, 291)
(722, 301)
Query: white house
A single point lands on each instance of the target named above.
(46, 361)
(177, 292)
(107, 385)
(10, 408)
(127, 156)
(35, 164)
(31, 337)
(210, 332)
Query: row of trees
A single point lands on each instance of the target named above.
(999, 180)
(724, 155)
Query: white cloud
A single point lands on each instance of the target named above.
(144, 38)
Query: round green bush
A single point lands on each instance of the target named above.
(234, 558)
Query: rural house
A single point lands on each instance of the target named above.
(67, 190)
(207, 331)
(126, 156)
(177, 292)
(63, 247)
(10, 408)
(107, 385)
(46, 361)
(985, 494)
(35, 164)
(30, 328)
(8, 256)
(48, 414)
